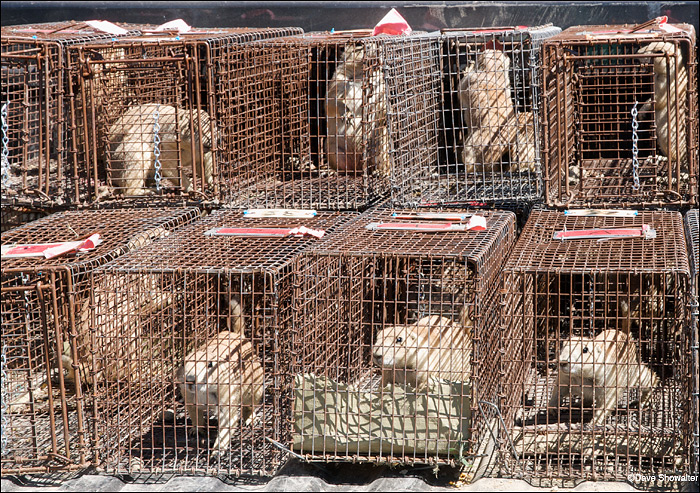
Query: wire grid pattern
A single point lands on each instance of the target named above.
(488, 119)
(154, 308)
(593, 79)
(692, 229)
(362, 282)
(607, 309)
(43, 318)
(13, 216)
(197, 88)
(35, 87)
(338, 140)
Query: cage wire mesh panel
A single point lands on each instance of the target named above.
(488, 112)
(162, 113)
(692, 233)
(191, 333)
(596, 334)
(417, 311)
(37, 168)
(335, 141)
(620, 116)
(13, 216)
(46, 410)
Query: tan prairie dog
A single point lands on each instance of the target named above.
(356, 116)
(599, 371)
(433, 347)
(224, 375)
(131, 156)
(670, 78)
(493, 127)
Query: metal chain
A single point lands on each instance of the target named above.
(635, 148)
(5, 147)
(156, 147)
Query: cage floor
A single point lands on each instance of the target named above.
(27, 427)
(629, 440)
(334, 192)
(163, 446)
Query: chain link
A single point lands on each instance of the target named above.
(5, 147)
(156, 147)
(635, 148)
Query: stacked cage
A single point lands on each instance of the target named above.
(351, 103)
(488, 115)
(46, 415)
(395, 346)
(191, 347)
(692, 232)
(13, 216)
(620, 113)
(165, 114)
(596, 329)
(37, 166)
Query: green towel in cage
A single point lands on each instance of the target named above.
(337, 419)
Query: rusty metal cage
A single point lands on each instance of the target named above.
(162, 113)
(37, 165)
(621, 116)
(488, 142)
(204, 300)
(13, 216)
(350, 105)
(596, 330)
(368, 285)
(692, 232)
(46, 416)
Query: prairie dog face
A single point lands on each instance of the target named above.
(578, 354)
(199, 383)
(396, 347)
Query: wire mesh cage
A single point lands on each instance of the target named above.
(13, 216)
(162, 112)
(395, 347)
(620, 113)
(37, 167)
(692, 232)
(190, 366)
(350, 104)
(596, 327)
(46, 415)
(488, 112)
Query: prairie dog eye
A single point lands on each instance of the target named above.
(399, 339)
(584, 350)
(210, 364)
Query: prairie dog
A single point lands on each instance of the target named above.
(432, 347)
(346, 106)
(131, 145)
(608, 362)
(493, 127)
(670, 75)
(226, 376)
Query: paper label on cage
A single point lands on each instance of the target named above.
(422, 227)
(438, 216)
(266, 232)
(645, 231)
(107, 27)
(284, 213)
(50, 250)
(600, 213)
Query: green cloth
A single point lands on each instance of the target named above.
(332, 418)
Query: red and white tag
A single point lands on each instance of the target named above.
(645, 231)
(51, 250)
(477, 223)
(392, 23)
(267, 232)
